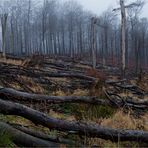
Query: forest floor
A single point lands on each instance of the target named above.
(62, 76)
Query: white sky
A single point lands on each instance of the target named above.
(98, 6)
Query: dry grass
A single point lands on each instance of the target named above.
(31, 85)
(11, 61)
(77, 92)
(82, 66)
(59, 93)
(120, 120)
(61, 116)
(80, 92)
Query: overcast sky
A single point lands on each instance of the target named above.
(99, 6)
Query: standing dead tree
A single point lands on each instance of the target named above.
(123, 26)
(3, 18)
(93, 26)
(123, 30)
(104, 27)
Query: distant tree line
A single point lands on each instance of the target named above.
(50, 27)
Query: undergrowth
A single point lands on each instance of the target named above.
(5, 139)
(101, 115)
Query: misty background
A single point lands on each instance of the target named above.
(55, 27)
(98, 6)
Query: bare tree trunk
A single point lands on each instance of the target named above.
(93, 43)
(4, 27)
(123, 26)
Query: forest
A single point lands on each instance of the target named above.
(72, 78)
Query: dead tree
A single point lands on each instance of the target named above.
(85, 129)
(21, 138)
(93, 23)
(123, 30)
(11, 94)
(123, 26)
(43, 136)
(4, 27)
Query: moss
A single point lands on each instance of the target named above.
(5, 139)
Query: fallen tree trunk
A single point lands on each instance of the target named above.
(91, 130)
(44, 136)
(11, 94)
(9, 69)
(48, 74)
(22, 139)
(133, 88)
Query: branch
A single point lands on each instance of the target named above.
(134, 4)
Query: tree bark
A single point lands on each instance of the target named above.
(91, 130)
(4, 27)
(123, 27)
(22, 139)
(11, 94)
(93, 42)
(43, 136)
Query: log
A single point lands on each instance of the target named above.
(47, 74)
(66, 75)
(11, 94)
(10, 69)
(127, 102)
(90, 130)
(43, 136)
(22, 139)
(132, 88)
(111, 82)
